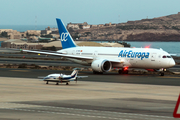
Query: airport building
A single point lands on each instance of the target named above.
(12, 34)
(28, 46)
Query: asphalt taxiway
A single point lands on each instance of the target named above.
(111, 77)
(98, 97)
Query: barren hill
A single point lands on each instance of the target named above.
(166, 28)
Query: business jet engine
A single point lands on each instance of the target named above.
(101, 65)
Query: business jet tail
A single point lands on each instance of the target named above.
(74, 73)
(65, 37)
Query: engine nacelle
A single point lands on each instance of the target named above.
(101, 65)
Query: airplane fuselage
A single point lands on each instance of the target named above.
(146, 58)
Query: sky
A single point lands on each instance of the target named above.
(45, 12)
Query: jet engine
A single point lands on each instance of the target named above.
(101, 65)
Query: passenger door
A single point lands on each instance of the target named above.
(153, 56)
(95, 54)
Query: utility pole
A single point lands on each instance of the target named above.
(119, 18)
(35, 22)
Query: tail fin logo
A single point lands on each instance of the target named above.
(64, 36)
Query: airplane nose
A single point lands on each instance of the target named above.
(172, 63)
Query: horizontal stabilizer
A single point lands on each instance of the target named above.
(173, 54)
(82, 76)
(41, 77)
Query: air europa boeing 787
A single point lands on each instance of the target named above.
(103, 59)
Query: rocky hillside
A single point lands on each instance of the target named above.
(166, 28)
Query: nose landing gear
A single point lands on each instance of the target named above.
(161, 71)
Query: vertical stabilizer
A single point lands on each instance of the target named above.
(65, 37)
(74, 73)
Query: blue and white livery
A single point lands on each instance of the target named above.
(60, 78)
(65, 37)
(103, 59)
(131, 54)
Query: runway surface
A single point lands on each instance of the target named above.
(28, 98)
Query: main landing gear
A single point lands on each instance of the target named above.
(94, 72)
(123, 71)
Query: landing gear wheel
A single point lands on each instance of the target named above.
(123, 71)
(94, 72)
(120, 71)
(161, 74)
(76, 80)
(57, 83)
(67, 83)
(46, 82)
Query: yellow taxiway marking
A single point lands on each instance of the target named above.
(20, 70)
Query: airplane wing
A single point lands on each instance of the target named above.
(45, 77)
(54, 53)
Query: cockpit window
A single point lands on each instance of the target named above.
(164, 56)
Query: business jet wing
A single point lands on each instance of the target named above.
(41, 78)
(46, 77)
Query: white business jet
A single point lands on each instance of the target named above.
(61, 78)
(103, 59)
